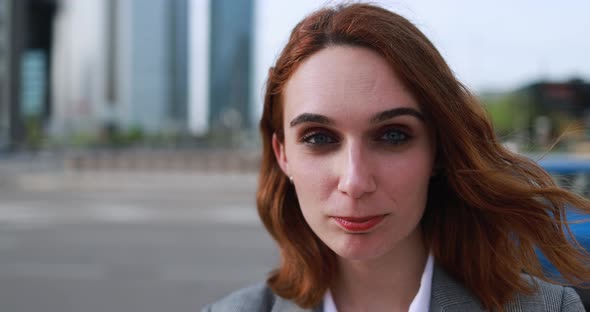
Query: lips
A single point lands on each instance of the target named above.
(359, 225)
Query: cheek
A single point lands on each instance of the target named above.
(314, 179)
(406, 177)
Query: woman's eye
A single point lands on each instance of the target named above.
(318, 139)
(394, 137)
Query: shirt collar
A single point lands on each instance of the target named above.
(420, 303)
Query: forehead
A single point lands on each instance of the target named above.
(350, 82)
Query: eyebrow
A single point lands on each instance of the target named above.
(377, 118)
(308, 117)
(388, 114)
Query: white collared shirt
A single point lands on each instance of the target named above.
(420, 303)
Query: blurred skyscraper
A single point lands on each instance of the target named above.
(25, 50)
(97, 66)
(230, 71)
(121, 64)
(156, 65)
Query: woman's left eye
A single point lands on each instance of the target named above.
(394, 136)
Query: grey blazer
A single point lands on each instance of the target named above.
(446, 296)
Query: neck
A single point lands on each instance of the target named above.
(388, 283)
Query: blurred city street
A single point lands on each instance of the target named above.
(140, 241)
(129, 135)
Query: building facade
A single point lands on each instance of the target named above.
(230, 73)
(25, 50)
(122, 64)
(158, 66)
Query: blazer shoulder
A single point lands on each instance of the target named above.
(449, 295)
(253, 298)
(552, 297)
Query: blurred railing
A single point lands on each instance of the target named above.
(573, 173)
(223, 160)
(569, 172)
(190, 160)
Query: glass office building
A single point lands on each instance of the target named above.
(158, 65)
(25, 50)
(230, 75)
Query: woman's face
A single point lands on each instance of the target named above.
(359, 151)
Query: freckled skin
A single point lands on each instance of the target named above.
(358, 176)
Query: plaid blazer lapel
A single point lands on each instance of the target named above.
(283, 305)
(447, 295)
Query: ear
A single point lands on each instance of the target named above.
(279, 150)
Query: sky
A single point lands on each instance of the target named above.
(490, 45)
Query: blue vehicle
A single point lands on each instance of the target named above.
(574, 174)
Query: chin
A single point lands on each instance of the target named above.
(357, 249)
(359, 255)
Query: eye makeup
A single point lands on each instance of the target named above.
(318, 136)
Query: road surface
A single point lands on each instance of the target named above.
(127, 242)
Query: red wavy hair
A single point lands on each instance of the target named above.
(488, 209)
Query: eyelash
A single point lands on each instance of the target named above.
(308, 137)
(403, 137)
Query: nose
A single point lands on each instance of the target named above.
(356, 178)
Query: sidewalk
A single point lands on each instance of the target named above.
(132, 160)
(46, 198)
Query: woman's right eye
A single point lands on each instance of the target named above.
(318, 138)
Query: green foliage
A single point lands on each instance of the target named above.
(34, 136)
(80, 139)
(509, 112)
(125, 138)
